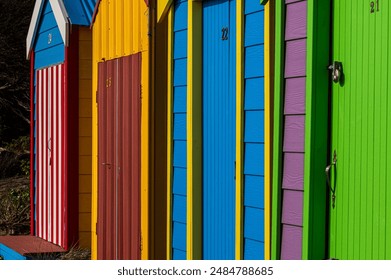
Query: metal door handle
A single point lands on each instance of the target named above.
(327, 171)
(108, 164)
(328, 168)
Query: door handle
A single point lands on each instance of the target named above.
(337, 71)
(327, 171)
(108, 164)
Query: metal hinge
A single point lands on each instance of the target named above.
(96, 97)
(141, 242)
(96, 228)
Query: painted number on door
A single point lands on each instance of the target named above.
(374, 6)
(108, 82)
(224, 33)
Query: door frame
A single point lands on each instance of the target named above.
(316, 150)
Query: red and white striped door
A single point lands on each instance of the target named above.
(50, 192)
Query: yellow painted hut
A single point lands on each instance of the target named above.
(128, 131)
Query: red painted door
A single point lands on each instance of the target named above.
(51, 190)
(119, 125)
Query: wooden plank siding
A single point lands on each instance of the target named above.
(179, 163)
(293, 129)
(254, 138)
(85, 136)
(53, 53)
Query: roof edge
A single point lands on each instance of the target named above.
(162, 8)
(62, 19)
(33, 27)
(95, 13)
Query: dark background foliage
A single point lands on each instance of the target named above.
(14, 116)
(14, 69)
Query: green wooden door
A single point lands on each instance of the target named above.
(360, 219)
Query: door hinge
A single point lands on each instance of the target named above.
(96, 228)
(141, 242)
(235, 170)
(96, 97)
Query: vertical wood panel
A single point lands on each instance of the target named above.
(49, 212)
(119, 159)
(218, 130)
(360, 127)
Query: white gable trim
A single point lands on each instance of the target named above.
(33, 24)
(61, 15)
(62, 19)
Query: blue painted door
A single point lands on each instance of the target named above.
(219, 129)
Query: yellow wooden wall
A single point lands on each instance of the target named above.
(121, 29)
(85, 135)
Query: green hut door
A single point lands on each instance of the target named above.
(360, 180)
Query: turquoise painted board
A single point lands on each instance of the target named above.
(179, 132)
(8, 254)
(49, 47)
(219, 129)
(253, 220)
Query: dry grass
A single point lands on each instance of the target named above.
(15, 218)
(14, 206)
(75, 253)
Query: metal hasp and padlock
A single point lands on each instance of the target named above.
(336, 67)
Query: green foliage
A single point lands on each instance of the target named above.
(15, 210)
(19, 145)
(15, 159)
(25, 167)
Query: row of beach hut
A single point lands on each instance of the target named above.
(214, 129)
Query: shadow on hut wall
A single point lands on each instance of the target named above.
(159, 53)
